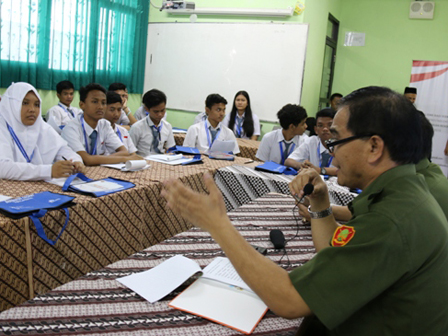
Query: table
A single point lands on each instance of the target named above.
(100, 231)
(248, 148)
(242, 184)
(96, 304)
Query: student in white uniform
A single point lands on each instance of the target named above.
(277, 145)
(126, 117)
(29, 148)
(200, 118)
(314, 153)
(112, 114)
(241, 120)
(90, 135)
(203, 134)
(59, 115)
(153, 135)
(141, 113)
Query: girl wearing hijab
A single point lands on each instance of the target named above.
(29, 148)
(241, 120)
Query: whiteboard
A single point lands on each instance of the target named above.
(188, 61)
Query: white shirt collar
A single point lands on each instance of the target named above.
(213, 128)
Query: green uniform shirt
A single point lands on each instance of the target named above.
(436, 181)
(391, 278)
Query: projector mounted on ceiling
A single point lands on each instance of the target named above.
(187, 8)
(421, 10)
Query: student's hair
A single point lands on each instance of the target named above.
(248, 123)
(325, 113)
(117, 86)
(112, 97)
(64, 85)
(153, 98)
(213, 99)
(335, 95)
(427, 135)
(84, 91)
(383, 112)
(291, 114)
(310, 124)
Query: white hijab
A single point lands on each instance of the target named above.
(39, 137)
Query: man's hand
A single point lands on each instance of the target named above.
(308, 164)
(125, 103)
(303, 211)
(62, 169)
(79, 167)
(319, 198)
(202, 210)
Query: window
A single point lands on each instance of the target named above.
(46, 41)
(69, 36)
(18, 23)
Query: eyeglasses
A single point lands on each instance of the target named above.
(331, 143)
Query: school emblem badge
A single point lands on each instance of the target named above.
(342, 235)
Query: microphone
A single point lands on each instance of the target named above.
(307, 190)
(277, 238)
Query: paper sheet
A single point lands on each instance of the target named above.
(4, 198)
(221, 269)
(100, 185)
(161, 280)
(172, 162)
(165, 157)
(60, 181)
(131, 165)
(222, 146)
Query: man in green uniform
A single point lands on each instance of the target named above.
(385, 271)
(434, 177)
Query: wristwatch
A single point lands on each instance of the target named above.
(323, 171)
(320, 214)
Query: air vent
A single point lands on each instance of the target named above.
(421, 10)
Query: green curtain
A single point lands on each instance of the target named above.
(43, 42)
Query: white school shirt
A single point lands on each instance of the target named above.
(243, 135)
(141, 113)
(269, 149)
(123, 120)
(197, 136)
(125, 138)
(200, 117)
(13, 166)
(38, 142)
(59, 115)
(308, 151)
(107, 140)
(141, 135)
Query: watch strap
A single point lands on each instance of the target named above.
(320, 214)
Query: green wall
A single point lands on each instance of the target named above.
(393, 41)
(316, 15)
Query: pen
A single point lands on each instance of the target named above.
(64, 158)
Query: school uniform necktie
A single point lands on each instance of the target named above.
(325, 158)
(70, 111)
(213, 133)
(93, 136)
(286, 151)
(239, 122)
(155, 138)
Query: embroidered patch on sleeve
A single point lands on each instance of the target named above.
(342, 235)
